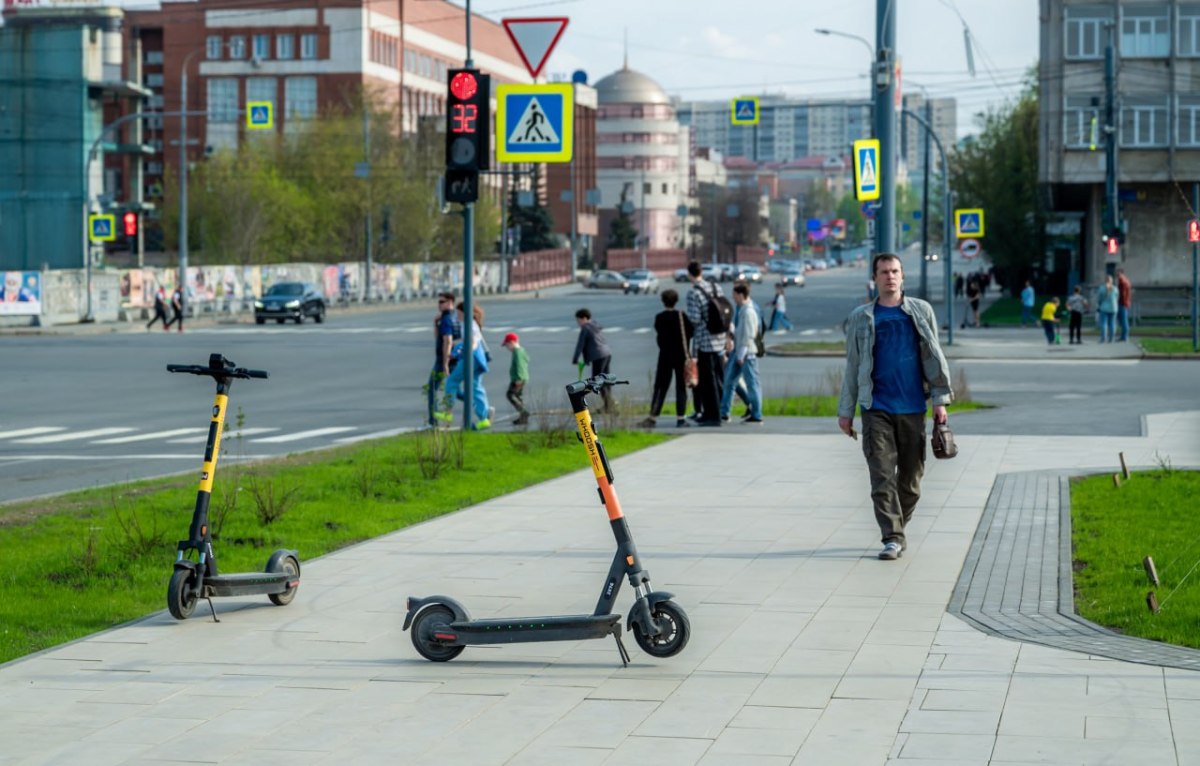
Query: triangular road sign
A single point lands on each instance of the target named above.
(535, 39)
(533, 128)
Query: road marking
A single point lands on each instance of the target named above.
(226, 435)
(303, 435)
(993, 360)
(31, 431)
(148, 437)
(73, 436)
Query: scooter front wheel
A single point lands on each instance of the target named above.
(676, 629)
(181, 596)
(429, 620)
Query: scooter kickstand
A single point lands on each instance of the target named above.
(621, 648)
(212, 609)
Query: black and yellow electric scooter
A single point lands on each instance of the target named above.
(196, 575)
(441, 626)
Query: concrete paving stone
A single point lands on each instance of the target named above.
(1046, 720)
(901, 761)
(1044, 749)
(91, 753)
(927, 721)
(949, 747)
(1124, 727)
(781, 742)
(647, 749)
(887, 635)
(971, 698)
(701, 707)
(743, 759)
(781, 718)
(757, 643)
(636, 688)
(226, 734)
(143, 730)
(597, 724)
(541, 754)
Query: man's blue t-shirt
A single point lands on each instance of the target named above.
(897, 385)
(445, 326)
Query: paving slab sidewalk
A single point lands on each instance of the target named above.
(805, 648)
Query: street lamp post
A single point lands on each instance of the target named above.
(183, 174)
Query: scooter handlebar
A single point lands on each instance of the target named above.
(593, 384)
(218, 367)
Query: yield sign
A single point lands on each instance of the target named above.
(535, 39)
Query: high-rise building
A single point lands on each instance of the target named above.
(912, 133)
(788, 128)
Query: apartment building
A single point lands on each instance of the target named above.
(1156, 127)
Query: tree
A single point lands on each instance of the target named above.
(536, 227)
(621, 233)
(998, 173)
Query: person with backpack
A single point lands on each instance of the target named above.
(743, 349)
(710, 314)
(591, 348)
(160, 309)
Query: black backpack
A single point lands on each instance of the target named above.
(720, 313)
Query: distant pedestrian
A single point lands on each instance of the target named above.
(894, 367)
(1124, 304)
(176, 309)
(518, 377)
(743, 358)
(591, 348)
(160, 309)
(779, 315)
(1028, 298)
(709, 347)
(1050, 321)
(673, 332)
(446, 332)
(973, 293)
(1106, 303)
(456, 383)
(1076, 306)
(959, 283)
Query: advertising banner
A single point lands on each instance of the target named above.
(21, 293)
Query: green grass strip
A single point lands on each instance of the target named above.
(807, 406)
(1168, 346)
(76, 564)
(1153, 513)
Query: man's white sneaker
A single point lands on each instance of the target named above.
(891, 551)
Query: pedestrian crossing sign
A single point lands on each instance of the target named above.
(866, 169)
(102, 227)
(744, 111)
(535, 123)
(260, 115)
(968, 222)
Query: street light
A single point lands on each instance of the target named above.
(183, 174)
(863, 40)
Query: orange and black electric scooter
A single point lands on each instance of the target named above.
(441, 626)
(196, 576)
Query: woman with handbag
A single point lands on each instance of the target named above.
(673, 331)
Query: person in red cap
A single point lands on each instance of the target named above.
(518, 373)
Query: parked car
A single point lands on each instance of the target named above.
(727, 272)
(711, 272)
(641, 281)
(748, 272)
(792, 275)
(290, 300)
(681, 275)
(607, 280)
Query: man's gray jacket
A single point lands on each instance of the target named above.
(857, 384)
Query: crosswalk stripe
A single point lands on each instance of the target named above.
(73, 435)
(30, 431)
(302, 435)
(225, 436)
(148, 437)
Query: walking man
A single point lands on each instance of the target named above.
(1124, 304)
(894, 364)
(446, 333)
(779, 315)
(710, 347)
(743, 359)
(160, 309)
(592, 348)
(1027, 301)
(176, 309)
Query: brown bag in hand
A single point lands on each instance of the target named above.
(942, 442)
(691, 370)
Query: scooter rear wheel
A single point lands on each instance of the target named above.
(676, 631)
(290, 565)
(181, 596)
(430, 619)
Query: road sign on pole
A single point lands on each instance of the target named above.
(969, 248)
(102, 227)
(866, 169)
(535, 123)
(260, 115)
(535, 39)
(743, 111)
(968, 222)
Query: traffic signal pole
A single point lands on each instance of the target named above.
(468, 275)
(885, 123)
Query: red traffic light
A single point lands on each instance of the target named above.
(464, 86)
(131, 224)
(1114, 246)
(1194, 230)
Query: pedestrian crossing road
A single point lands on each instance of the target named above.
(426, 328)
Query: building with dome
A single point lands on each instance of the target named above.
(643, 152)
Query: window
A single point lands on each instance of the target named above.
(300, 98)
(285, 46)
(237, 47)
(647, 188)
(222, 99)
(212, 46)
(308, 46)
(154, 168)
(1084, 27)
(1144, 121)
(1189, 120)
(1189, 29)
(262, 47)
(1144, 31)
(665, 187)
(154, 80)
(261, 89)
(154, 57)
(1081, 122)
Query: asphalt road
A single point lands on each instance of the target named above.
(93, 409)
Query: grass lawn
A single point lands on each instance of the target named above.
(800, 346)
(76, 564)
(810, 406)
(1003, 312)
(1113, 529)
(1182, 346)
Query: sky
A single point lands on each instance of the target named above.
(704, 49)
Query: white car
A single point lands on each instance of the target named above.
(792, 275)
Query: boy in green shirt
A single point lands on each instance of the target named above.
(518, 373)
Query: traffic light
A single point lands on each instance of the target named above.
(1112, 241)
(131, 224)
(468, 120)
(1194, 230)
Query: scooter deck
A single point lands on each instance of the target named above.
(563, 627)
(249, 583)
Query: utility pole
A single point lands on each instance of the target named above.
(885, 122)
(367, 225)
(925, 206)
(468, 357)
(1196, 274)
(1112, 214)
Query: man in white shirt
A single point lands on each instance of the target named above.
(743, 359)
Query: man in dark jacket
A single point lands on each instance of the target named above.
(592, 349)
(673, 330)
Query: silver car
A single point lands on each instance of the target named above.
(640, 281)
(607, 280)
(791, 275)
